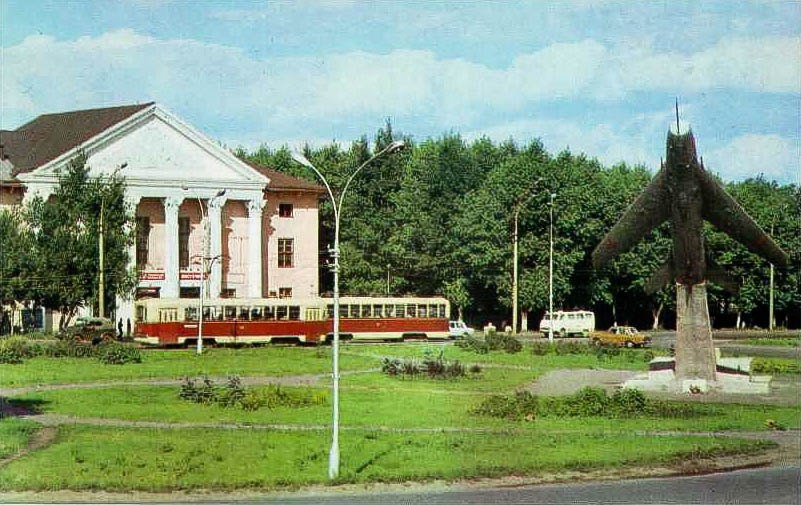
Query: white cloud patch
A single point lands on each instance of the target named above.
(217, 84)
(749, 155)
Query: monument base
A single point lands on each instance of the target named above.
(732, 376)
(695, 353)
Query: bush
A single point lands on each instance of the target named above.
(115, 353)
(542, 348)
(70, 349)
(434, 367)
(234, 394)
(274, 396)
(14, 350)
(775, 366)
(473, 344)
(588, 401)
(521, 405)
(629, 402)
(502, 341)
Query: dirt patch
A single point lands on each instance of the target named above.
(569, 380)
(42, 438)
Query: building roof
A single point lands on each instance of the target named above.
(50, 135)
(280, 181)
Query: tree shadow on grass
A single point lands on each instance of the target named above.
(15, 407)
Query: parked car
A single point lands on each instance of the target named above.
(457, 329)
(620, 336)
(90, 329)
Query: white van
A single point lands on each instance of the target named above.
(567, 323)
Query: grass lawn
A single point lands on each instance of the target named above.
(175, 363)
(377, 400)
(628, 359)
(15, 434)
(92, 458)
(780, 341)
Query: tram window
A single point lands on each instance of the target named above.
(190, 313)
(411, 310)
(141, 313)
(366, 311)
(343, 311)
(269, 313)
(294, 312)
(244, 313)
(329, 311)
(421, 311)
(378, 311)
(281, 312)
(255, 313)
(389, 311)
(400, 311)
(354, 311)
(230, 313)
(432, 311)
(442, 312)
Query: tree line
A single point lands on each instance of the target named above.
(433, 219)
(436, 218)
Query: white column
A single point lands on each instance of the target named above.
(170, 287)
(214, 209)
(254, 247)
(125, 306)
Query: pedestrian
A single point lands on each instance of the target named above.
(128, 328)
(119, 329)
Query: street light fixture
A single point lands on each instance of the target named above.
(550, 277)
(524, 198)
(204, 257)
(333, 455)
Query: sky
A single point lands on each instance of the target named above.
(594, 76)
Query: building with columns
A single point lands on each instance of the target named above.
(262, 225)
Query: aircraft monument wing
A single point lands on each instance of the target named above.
(648, 211)
(727, 215)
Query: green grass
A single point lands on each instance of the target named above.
(387, 402)
(261, 361)
(93, 458)
(628, 359)
(15, 434)
(778, 341)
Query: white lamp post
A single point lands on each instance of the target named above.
(333, 455)
(203, 258)
(550, 276)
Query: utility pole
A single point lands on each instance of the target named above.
(550, 277)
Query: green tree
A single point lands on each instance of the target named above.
(65, 237)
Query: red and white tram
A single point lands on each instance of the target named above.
(174, 321)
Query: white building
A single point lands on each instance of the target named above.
(263, 228)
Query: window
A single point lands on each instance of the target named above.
(183, 242)
(286, 248)
(142, 237)
(294, 313)
(285, 210)
(281, 312)
(284, 292)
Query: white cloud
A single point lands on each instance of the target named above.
(292, 97)
(750, 155)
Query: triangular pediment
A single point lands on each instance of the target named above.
(155, 147)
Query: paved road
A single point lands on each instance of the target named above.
(769, 486)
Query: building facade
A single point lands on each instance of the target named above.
(256, 228)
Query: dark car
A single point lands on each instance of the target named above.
(90, 329)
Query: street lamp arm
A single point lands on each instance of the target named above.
(393, 146)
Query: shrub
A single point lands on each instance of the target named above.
(274, 396)
(565, 348)
(14, 350)
(115, 353)
(475, 368)
(502, 341)
(233, 393)
(69, 349)
(588, 401)
(629, 402)
(541, 348)
(521, 405)
(606, 352)
(775, 365)
(391, 366)
(473, 344)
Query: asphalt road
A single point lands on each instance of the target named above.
(769, 486)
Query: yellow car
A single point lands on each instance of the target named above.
(620, 336)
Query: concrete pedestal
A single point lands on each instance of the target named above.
(695, 354)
